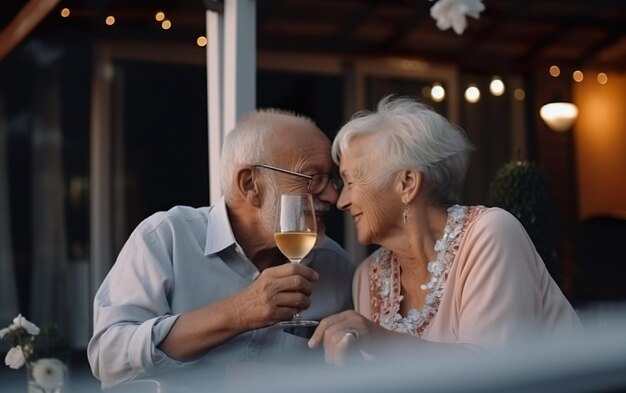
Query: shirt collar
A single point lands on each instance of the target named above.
(219, 234)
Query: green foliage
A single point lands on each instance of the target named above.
(522, 188)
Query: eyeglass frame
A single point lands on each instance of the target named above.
(333, 177)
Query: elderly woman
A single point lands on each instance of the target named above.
(446, 275)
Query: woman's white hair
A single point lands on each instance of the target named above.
(248, 144)
(410, 135)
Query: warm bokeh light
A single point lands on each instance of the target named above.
(166, 24)
(472, 94)
(578, 76)
(201, 41)
(437, 92)
(496, 87)
(519, 94)
(65, 12)
(599, 143)
(159, 16)
(602, 78)
(110, 20)
(555, 71)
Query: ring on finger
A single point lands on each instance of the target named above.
(352, 333)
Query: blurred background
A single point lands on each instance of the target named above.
(103, 121)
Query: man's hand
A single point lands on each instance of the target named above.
(274, 296)
(277, 294)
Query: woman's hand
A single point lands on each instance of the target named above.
(342, 332)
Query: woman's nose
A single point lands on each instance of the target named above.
(342, 201)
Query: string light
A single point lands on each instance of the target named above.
(159, 16)
(110, 20)
(166, 24)
(555, 71)
(201, 41)
(602, 78)
(437, 92)
(496, 87)
(519, 94)
(472, 94)
(65, 12)
(578, 76)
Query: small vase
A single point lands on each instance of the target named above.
(46, 375)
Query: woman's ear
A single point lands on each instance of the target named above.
(410, 183)
(248, 186)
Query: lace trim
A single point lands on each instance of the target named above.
(385, 285)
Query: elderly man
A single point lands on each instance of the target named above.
(205, 286)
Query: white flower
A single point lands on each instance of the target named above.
(15, 358)
(451, 13)
(48, 373)
(22, 322)
(4, 331)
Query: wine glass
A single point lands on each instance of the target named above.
(295, 234)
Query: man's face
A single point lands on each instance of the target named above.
(306, 150)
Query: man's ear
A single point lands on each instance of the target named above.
(248, 186)
(409, 184)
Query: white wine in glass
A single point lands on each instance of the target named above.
(295, 234)
(295, 245)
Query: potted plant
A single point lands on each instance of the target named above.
(522, 188)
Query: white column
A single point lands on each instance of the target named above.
(101, 258)
(215, 95)
(231, 75)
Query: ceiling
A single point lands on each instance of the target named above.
(515, 35)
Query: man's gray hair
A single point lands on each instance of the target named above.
(248, 144)
(410, 135)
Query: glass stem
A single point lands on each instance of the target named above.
(296, 316)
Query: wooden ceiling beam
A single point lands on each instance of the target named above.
(24, 23)
(588, 58)
(419, 13)
(357, 20)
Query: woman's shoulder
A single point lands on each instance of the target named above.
(493, 219)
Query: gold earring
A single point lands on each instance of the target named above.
(405, 214)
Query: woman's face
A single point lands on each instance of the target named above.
(367, 195)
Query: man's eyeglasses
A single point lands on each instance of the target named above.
(316, 183)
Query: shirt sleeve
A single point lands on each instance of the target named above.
(132, 314)
(498, 290)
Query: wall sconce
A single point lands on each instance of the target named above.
(559, 116)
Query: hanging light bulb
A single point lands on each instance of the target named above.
(578, 76)
(437, 92)
(555, 71)
(201, 41)
(496, 87)
(472, 94)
